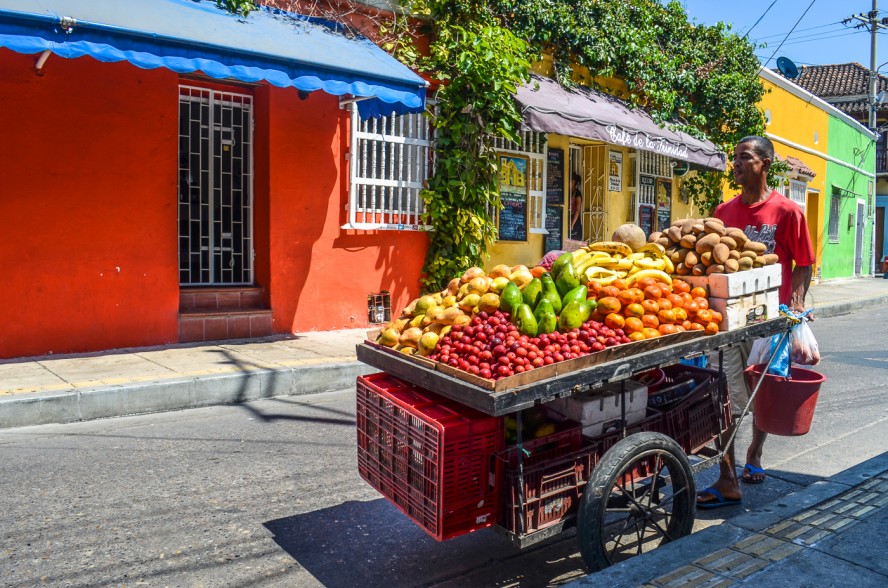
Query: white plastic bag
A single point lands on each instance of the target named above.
(804, 346)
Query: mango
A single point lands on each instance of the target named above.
(532, 293)
(468, 303)
(547, 321)
(497, 284)
(489, 302)
(510, 298)
(427, 343)
(579, 294)
(567, 280)
(550, 292)
(525, 321)
(563, 260)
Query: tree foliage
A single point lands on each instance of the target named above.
(242, 7)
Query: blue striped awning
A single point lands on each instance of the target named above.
(271, 45)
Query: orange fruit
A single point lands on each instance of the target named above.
(696, 327)
(686, 296)
(636, 336)
(594, 288)
(676, 300)
(609, 291)
(650, 321)
(666, 316)
(608, 304)
(619, 283)
(702, 302)
(691, 307)
(645, 282)
(650, 306)
(637, 292)
(653, 292)
(680, 329)
(679, 286)
(667, 329)
(665, 290)
(711, 328)
(681, 315)
(537, 271)
(634, 324)
(634, 310)
(704, 316)
(614, 320)
(651, 333)
(698, 292)
(664, 304)
(716, 316)
(686, 325)
(626, 297)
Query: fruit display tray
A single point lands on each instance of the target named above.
(560, 379)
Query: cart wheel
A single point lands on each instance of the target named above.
(641, 494)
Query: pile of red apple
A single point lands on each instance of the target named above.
(491, 347)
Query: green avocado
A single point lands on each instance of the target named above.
(550, 292)
(545, 316)
(563, 260)
(579, 294)
(525, 321)
(510, 298)
(567, 280)
(532, 293)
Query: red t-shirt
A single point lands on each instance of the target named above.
(779, 223)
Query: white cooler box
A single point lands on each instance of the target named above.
(599, 410)
(746, 310)
(760, 279)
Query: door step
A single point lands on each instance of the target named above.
(216, 314)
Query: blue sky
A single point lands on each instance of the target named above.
(820, 38)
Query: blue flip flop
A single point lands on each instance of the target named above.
(719, 501)
(747, 477)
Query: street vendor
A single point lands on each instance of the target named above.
(767, 216)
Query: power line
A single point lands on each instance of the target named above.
(823, 35)
(824, 38)
(838, 22)
(760, 18)
(790, 32)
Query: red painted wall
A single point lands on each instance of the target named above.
(87, 206)
(88, 218)
(321, 274)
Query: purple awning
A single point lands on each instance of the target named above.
(581, 112)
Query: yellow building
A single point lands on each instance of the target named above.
(629, 170)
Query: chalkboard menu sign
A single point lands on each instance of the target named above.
(646, 218)
(555, 177)
(513, 195)
(554, 223)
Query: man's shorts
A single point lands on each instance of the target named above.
(735, 358)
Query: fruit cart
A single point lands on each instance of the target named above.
(431, 440)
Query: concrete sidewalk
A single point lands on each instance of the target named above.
(61, 389)
(828, 534)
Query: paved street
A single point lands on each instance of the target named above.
(267, 493)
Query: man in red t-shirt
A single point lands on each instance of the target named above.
(766, 216)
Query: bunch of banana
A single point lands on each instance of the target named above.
(607, 261)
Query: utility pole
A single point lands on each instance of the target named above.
(871, 21)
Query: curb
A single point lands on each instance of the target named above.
(840, 308)
(640, 570)
(124, 400)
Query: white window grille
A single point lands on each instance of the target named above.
(835, 209)
(532, 146)
(389, 164)
(798, 192)
(648, 168)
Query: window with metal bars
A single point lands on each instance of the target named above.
(797, 192)
(533, 147)
(835, 209)
(389, 162)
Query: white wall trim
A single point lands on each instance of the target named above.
(794, 145)
(810, 98)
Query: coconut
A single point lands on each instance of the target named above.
(630, 234)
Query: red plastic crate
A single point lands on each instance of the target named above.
(431, 457)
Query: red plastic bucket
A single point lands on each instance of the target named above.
(785, 406)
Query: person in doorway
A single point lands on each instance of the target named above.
(767, 216)
(576, 205)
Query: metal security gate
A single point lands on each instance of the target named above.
(215, 188)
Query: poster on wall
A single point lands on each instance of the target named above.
(615, 172)
(513, 194)
(555, 176)
(554, 222)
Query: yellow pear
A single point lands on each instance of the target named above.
(411, 337)
(472, 273)
(424, 304)
(490, 302)
(463, 320)
(469, 302)
(389, 337)
(521, 278)
(448, 301)
(450, 315)
(500, 271)
(497, 284)
(427, 343)
(478, 286)
(453, 286)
